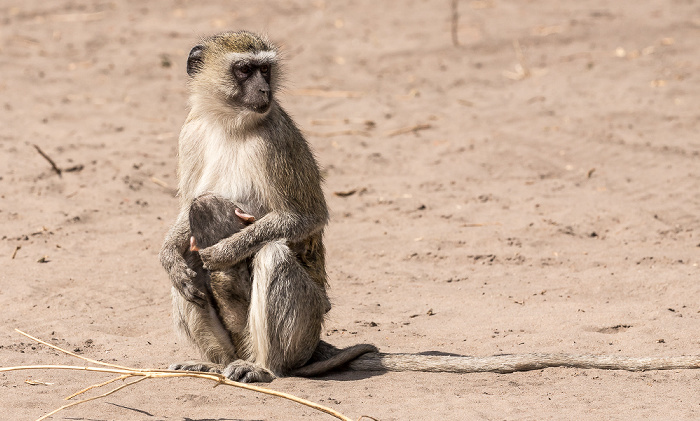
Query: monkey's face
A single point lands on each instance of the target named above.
(235, 70)
(253, 85)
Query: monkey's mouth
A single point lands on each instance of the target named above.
(260, 108)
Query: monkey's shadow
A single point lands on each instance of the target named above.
(343, 374)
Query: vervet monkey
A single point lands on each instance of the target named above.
(238, 143)
(250, 189)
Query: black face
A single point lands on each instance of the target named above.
(254, 85)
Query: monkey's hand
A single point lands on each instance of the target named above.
(216, 258)
(183, 279)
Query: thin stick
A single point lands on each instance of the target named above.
(14, 253)
(409, 129)
(46, 157)
(95, 386)
(71, 367)
(72, 354)
(160, 182)
(220, 379)
(90, 399)
(455, 23)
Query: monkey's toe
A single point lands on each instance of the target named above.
(204, 366)
(247, 372)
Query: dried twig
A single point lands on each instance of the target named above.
(90, 399)
(164, 185)
(404, 130)
(95, 386)
(126, 372)
(71, 353)
(160, 182)
(455, 22)
(14, 253)
(74, 168)
(46, 157)
(345, 193)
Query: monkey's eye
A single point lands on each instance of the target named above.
(265, 69)
(245, 69)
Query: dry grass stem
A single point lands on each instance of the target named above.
(37, 383)
(95, 386)
(455, 22)
(160, 182)
(90, 399)
(405, 130)
(126, 372)
(71, 353)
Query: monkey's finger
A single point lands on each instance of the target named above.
(212, 267)
(189, 274)
(245, 217)
(193, 295)
(209, 259)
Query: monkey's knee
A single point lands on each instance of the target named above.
(287, 282)
(291, 306)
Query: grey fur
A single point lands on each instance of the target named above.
(517, 362)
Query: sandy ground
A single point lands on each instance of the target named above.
(533, 188)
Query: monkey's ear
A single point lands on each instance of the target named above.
(195, 61)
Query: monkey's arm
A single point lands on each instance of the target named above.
(176, 243)
(287, 225)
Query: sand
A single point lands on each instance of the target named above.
(525, 183)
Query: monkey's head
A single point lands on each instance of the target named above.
(238, 70)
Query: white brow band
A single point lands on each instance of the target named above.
(260, 56)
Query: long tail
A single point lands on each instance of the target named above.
(374, 361)
(327, 357)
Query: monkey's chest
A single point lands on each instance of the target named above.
(235, 174)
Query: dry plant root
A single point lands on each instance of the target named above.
(125, 373)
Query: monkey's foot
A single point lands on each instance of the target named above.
(247, 372)
(204, 366)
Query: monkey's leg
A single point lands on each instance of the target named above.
(202, 327)
(285, 317)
